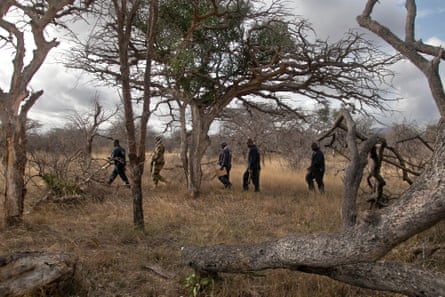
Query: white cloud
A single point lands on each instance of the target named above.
(435, 42)
(66, 91)
(416, 104)
(331, 19)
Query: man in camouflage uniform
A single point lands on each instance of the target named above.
(157, 161)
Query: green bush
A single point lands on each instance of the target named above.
(61, 187)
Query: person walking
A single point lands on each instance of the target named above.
(225, 163)
(118, 157)
(316, 170)
(253, 167)
(157, 161)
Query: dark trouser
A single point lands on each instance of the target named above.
(118, 170)
(318, 176)
(225, 179)
(254, 176)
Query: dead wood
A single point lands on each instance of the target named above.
(159, 271)
(23, 273)
(385, 276)
(66, 199)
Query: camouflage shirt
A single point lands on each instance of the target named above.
(158, 154)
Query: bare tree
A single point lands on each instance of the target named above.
(18, 20)
(354, 254)
(89, 124)
(119, 52)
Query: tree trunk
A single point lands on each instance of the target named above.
(184, 141)
(136, 192)
(407, 279)
(17, 101)
(125, 13)
(199, 143)
(354, 171)
(14, 135)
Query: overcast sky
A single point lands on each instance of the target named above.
(67, 90)
(332, 18)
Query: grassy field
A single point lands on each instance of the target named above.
(117, 260)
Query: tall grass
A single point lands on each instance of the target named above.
(117, 260)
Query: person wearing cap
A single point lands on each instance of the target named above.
(157, 161)
(316, 170)
(225, 163)
(253, 167)
(118, 157)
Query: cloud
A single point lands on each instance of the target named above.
(66, 91)
(416, 103)
(435, 42)
(331, 19)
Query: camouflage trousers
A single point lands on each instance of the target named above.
(156, 173)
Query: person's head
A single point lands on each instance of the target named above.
(314, 146)
(249, 142)
(223, 144)
(116, 142)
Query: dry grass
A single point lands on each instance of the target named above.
(117, 260)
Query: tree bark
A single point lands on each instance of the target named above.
(184, 146)
(23, 273)
(125, 14)
(406, 279)
(15, 161)
(199, 143)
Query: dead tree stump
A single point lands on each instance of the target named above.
(22, 273)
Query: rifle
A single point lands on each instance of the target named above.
(103, 167)
(118, 159)
(152, 163)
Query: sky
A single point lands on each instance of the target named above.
(331, 19)
(67, 90)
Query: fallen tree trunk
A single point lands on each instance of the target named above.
(25, 272)
(346, 256)
(403, 278)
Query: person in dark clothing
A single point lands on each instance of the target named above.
(118, 157)
(316, 170)
(225, 163)
(253, 167)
